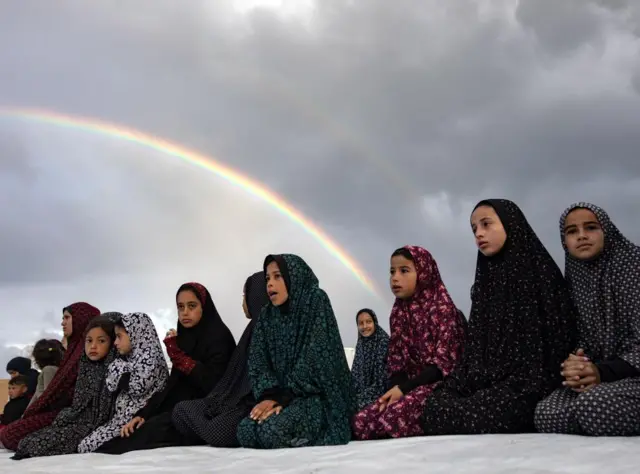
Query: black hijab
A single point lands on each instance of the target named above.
(234, 387)
(22, 365)
(522, 323)
(206, 337)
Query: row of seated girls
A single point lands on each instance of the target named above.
(541, 351)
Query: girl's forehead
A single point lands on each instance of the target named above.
(482, 212)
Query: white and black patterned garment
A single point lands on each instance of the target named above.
(607, 293)
(91, 406)
(214, 420)
(135, 378)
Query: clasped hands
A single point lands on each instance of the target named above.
(579, 372)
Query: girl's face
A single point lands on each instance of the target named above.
(67, 324)
(583, 234)
(122, 343)
(245, 308)
(488, 230)
(189, 309)
(276, 287)
(97, 344)
(366, 326)
(403, 277)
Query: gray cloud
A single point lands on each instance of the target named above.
(383, 121)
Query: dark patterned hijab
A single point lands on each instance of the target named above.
(522, 322)
(235, 385)
(370, 363)
(606, 291)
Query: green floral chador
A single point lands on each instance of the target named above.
(297, 358)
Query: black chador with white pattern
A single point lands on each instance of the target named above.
(135, 378)
(606, 291)
(521, 327)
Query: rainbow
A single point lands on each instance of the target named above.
(208, 163)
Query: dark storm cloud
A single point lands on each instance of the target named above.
(383, 121)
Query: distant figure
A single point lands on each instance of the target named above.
(601, 394)
(48, 356)
(22, 366)
(368, 371)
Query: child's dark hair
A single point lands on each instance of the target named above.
(104, 322)
(402, 252)
(19, 380)
(48, 352)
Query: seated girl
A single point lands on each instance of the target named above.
(427, 336)
(22, 366)
(200, 353)
(139, 372)
(297, 365)
(48, 356)
(92, 402)
(369, 364)
(214, 420)
(601, 394)
(59, 392)
(521, 327)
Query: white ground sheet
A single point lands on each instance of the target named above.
(502, 454)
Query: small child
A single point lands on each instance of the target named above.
(18, 400)
(48, 354)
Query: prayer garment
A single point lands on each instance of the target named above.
(427, 337)
(521, 327)
(297, 359)
(606, 291)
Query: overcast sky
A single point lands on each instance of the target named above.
(384, 122)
